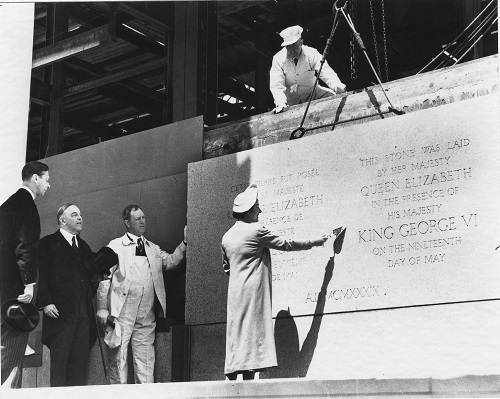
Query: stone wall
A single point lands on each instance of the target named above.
(414, 290)
(148, 169)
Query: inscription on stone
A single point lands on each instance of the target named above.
(422, 229)
(419, 203)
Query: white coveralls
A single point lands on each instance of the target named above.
(129, 297)
(293, 84)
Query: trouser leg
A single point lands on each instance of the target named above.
(13, 348)
(60, 348)
(79, 354)
(69, 348)
(143, 350)
(117, 357)
(116, 366)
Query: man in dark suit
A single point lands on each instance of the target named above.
(65, 293)
(19, 237)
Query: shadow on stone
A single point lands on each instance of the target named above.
(294, 361)
(339, 111)
(374, 102)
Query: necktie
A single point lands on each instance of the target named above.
(140, 248)
(74, 246)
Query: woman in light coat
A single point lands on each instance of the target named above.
(246, 259)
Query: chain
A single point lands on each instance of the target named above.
(374, 37)
(352, 43)
(385, 43)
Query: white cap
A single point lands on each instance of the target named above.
(245, 200)
(290, 35)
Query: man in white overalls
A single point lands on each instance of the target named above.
(293, 72)
(127, 299)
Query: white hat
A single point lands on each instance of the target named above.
(245, 200)
(291, 35)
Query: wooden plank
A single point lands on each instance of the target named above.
(116, 76)
(460, 82)
(70, 47)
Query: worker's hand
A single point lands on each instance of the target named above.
(28, 294)
(51, 310)
(280, 108)
(102, 316)
(185, 235)
(319, 241)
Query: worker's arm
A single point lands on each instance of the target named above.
(277, 85)
(328, 75)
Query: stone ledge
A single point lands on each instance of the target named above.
(432, 89)
(467, 386)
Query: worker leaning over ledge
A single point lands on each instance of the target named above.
(293, 70)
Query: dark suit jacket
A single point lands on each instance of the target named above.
(64, 281)
(19, 236)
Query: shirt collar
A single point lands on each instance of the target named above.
(29, 191)
(133, 238)
(68, 236)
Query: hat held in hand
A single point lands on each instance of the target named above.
(20, 316)
(101, 261)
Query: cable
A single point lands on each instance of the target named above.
(477, 30)
(468, 38)
(299, 132)
(363, 48)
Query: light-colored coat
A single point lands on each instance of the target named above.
(293, 84)
(247, 259)
(159, 261)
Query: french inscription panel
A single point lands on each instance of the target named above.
(418, 195)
